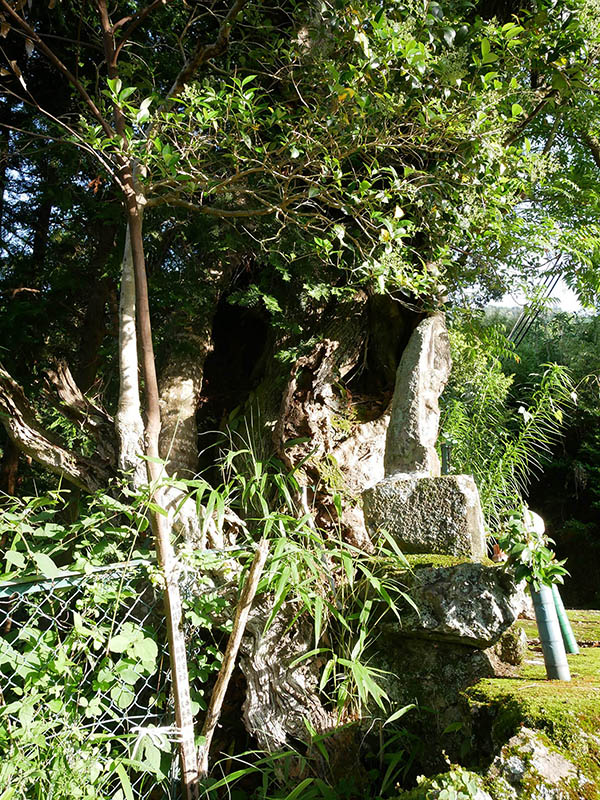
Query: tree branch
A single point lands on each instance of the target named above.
(530, 117)
(135, 20)
(70, 401)
(174, 200)
(593, 146)
(53, 58)
(28, 435)
(233, 645)
(204, 53)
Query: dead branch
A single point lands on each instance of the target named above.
(64, 393)
(23, 428)
(233, 645)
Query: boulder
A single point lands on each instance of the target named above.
(512, 646)
(428, 515)
(528, 768)
(420, 379)
(470, 604)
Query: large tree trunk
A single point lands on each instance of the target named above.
(180, 392)
(93, 329)
(316, 410)
(280, 698)
(283, 702)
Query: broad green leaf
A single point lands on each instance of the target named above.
(15, 558)
(123, 696)
(46, 565)
(146, 650)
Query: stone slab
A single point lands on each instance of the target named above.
(428, 515)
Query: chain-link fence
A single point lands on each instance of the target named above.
(85, 693)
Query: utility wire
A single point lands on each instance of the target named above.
(529, 315)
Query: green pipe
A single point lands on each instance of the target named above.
(555, 657)
(563, 621)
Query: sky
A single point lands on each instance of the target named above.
(564, 299)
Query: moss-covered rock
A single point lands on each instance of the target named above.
(528, 737)
(529, 767)
(466, 603)
(566, 713)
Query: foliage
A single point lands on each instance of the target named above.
(322, 149)
(48, 756)
(456, 784)
(37, 537)
(75, 661)
(493, 436)
(528, 554)
(343, 589)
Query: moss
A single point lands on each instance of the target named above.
(559, 709)
(585, 624)
(419, 560)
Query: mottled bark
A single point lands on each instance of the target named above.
(281, 697)
(128, 419)
(283, 701)
(68, 398)
(310, 399)
(314, 408)
(180, 391)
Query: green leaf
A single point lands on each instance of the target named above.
(123, 696)
(297, 790)
(114, 84)
(318, 618)
(146, 650)
(453, 727)
(129, 676)
(125, 93)
(46, 565)
(125, 782)
(449, 35)
(15, 558)
(399, 713)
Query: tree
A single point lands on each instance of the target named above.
(335, 171)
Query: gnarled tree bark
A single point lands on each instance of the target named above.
(24, 429)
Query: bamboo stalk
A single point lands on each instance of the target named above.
(233, 645)
(565, 626)
(551, 639)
